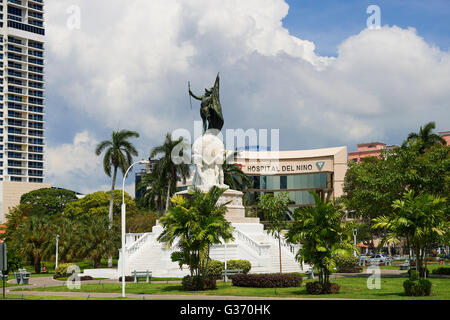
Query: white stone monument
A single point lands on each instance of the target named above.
(208, 155)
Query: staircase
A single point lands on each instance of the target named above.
(251, 243)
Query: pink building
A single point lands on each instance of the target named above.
(374, 149)
(364, 150)
(446, 136)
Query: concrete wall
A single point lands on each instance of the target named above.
(11, 191)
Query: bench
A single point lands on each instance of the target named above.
(230, 273)
(142, 274)
(3, 276)
(22, 277)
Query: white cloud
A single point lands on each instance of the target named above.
(73, 164)
(128, 67)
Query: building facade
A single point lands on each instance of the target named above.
(364, 150)
(22, 102)
(296, 172)
(22, 91)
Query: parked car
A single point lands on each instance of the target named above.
(378, 259)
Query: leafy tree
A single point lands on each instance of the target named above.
(421, 219)
(168, 171)
(323, 233)
(371, 186)
(47, 201)
(119, 154)
(196, 222)
(425, 137)
(141, 221)
(274, 209)
(98, 203)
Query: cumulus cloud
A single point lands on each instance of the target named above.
(128, 67)
(73, 164)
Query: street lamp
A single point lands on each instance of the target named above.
(57, 240)
(355, 232)
(123, 222)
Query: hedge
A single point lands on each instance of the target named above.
(267, 280)
(216, 267)
(197, 283)
(442, 271)
(61, 271)
(347, 264)
(417, 287)
(315, 287)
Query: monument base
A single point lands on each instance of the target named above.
(235, 209)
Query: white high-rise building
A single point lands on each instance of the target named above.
(22, 102)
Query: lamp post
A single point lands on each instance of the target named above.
(355, 232)
(123, 222)
(57, 240)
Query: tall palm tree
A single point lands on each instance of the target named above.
(168, 171)
(425, 136)
(119, 154)
(154, 191)
(197, 222)
(323, 233)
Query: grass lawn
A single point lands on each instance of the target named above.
(353, 288)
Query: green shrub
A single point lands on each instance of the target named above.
(442, 271)
(243, 265)
(61, 271)
(267, 280)
(330, 288)
(347, 264)
(215, 269)
(127, 279)
(197, 283)
(315, 287)
(417, 288)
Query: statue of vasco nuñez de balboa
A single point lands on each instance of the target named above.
(210, 108)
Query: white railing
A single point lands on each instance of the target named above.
(131, 238)
(261, 249)
(137, 244)
(292, 248)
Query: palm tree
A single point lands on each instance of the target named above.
(197, 222)
(118, 155)
(34, 238)
(98, 239)
(322, 232)
(425, 137)
(166, 169)
(154, 192)
(274, 209)
(234, 177)
(421, 220)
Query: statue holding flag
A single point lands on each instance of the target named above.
(210, 107)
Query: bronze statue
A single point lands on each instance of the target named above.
(210, 108)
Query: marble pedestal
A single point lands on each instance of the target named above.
(235, 209)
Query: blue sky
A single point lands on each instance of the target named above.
(308, 68)
(328, 22)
